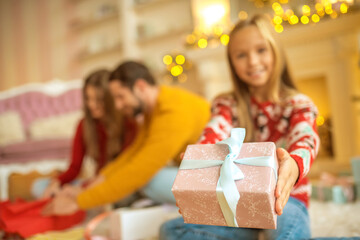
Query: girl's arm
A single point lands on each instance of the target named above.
(221, 121)
(302, 147)
(78, 152)
(302, 139)
(77, 156)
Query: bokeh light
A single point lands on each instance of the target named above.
(319, 7)
(343, 8)
(279, 28)
(218, 30)
(180, 59)
(176, 70)
(334, 15)
(304, 20)
(243, 15)
(320, 120)
(277, 20)
(224, 39)
(293, 19)
(306, 10)
(276, 6)
(182, 78)
(321, 12)
(167, 59)
(328, 8)
(202, 43)
(315, 18)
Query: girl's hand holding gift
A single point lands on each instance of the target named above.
(288, 175)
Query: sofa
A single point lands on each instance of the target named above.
(37, 122)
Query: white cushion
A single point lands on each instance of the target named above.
(60, 126)
(11, 128)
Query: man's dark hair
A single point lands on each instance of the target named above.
(128, 72)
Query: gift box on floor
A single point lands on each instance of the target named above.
(314, 192)
(338, 195)
(237, 192)
(142, 223)
(322, 192)
(357, 190)
(344, 191)
(343, 194)
(339, 189)
(355, 162)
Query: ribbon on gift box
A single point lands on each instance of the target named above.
(226, 190)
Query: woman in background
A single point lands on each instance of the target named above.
(100, 135)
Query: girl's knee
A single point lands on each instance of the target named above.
(168, 229)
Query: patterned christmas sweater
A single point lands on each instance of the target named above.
(290, 125)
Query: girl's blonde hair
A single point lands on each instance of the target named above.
(111, 120)
(281, 84)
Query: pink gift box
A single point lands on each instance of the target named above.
(195, 189)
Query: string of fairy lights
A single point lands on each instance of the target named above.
(284, 13)
(198, 39)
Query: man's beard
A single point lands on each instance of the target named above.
(140, 108)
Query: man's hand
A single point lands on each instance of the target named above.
(288, 175)
(97, 180)
(70, 191)
(53, 189)
(61, 205)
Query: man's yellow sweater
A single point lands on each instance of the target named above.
(177, 120)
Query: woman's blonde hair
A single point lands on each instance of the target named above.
(281, 84)
(111, 120)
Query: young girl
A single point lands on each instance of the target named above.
(98, 134)
(265, 102)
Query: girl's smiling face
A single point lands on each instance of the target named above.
(252, 57)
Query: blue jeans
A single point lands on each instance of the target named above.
(159, 188)
(335, 238)
(38, 187)
(294, 223)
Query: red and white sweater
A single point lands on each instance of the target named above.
(291, 125)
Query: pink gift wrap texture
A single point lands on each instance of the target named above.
(195, 189)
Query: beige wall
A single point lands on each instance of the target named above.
(316, 88)
(34, 42)
(330, 50)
